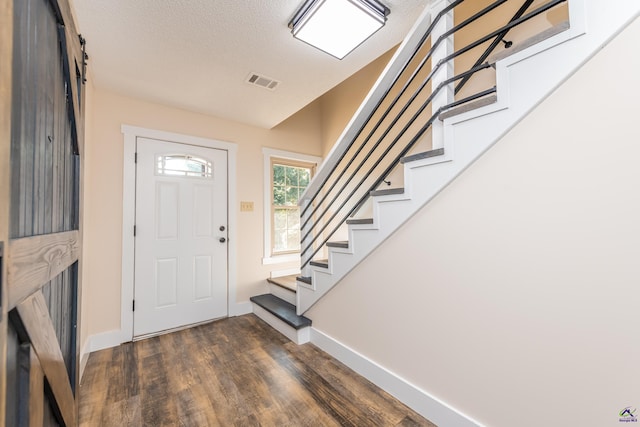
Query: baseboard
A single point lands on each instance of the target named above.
(240, 309)
(420, 401)
(104, 340)
(115, 337)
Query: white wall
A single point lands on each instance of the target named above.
(514, 293)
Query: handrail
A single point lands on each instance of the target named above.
(495, 43)
(393, 164)
(386, 92)
(393, 142)
(395, 100)
(317, 230)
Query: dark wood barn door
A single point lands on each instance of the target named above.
(42, 66)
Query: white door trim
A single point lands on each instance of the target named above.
(131, 133)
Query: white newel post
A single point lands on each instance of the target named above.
(445, 48)
(304, 203)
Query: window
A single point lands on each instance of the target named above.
(183, 165)
(288, 182)
(286, 178)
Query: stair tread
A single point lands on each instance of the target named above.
(360, 221)
(517, 47)
(282, 310)
(469, 106)
(340, 244)
(304, 279)
(387, 191)
(287, 282)
(423, 155)
(320, 262)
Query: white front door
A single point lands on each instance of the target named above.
(180, 243)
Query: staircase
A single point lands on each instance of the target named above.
(445, 128)
(278, 309)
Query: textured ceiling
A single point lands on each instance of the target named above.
(197, 54)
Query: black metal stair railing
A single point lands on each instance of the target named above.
(358, 171)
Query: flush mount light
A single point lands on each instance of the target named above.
(338, 26)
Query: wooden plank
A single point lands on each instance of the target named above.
(59, 295)
(72, 56)
(41, 69)
(35, 317)
(21, 150)
(75, 57)
(64, 15)
(52, 58)
(36, 260)
(27, 136)
(36, 391)
(6, 83)
(69, 61)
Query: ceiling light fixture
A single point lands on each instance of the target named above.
(338, 26)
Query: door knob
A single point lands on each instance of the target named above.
(222, 240)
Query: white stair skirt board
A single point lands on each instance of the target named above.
(283, 293)
(419, 400)
(524, 80)
(298, 336)
(84, 357)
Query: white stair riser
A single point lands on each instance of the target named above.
(298, 336)
(283, 293)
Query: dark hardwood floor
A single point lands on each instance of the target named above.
(233, 372)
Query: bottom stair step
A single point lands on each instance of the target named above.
(283, 287)
(282, 316)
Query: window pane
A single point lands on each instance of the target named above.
(293, 240)
(280, 219)
(278, 175)
(305, 176)
(292, 196)
(280, 240)
(183, 165)
(278, 196)
(292, 175)
(293, 218)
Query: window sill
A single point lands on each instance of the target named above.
(281, 259)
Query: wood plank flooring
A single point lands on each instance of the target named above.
(233, 372)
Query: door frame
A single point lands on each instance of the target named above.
(131, 134)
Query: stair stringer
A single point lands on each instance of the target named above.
(524, 80)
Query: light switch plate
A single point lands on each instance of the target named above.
(246, 206)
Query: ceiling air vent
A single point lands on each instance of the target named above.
(262, 81)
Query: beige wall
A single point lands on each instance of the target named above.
(514, 293)
(103, 187)
(340, 103)
(490, 22)
(313, 130)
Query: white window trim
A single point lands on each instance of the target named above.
(270, 153)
